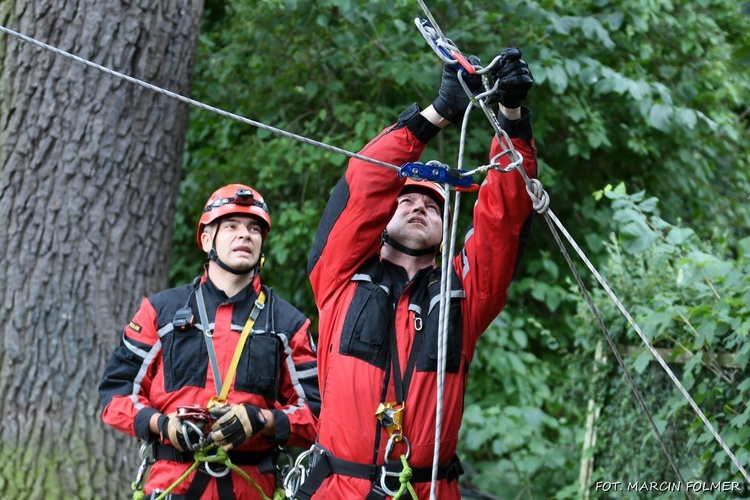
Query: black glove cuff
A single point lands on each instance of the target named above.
(256, 417)
(517, 129)
(141, 424)
(417, 124)
(282, 430)
(163, 424)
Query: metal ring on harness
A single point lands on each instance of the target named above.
(213, 473)
(384, 474)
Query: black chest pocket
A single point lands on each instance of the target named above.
(428, 353)
(185, 359)
(366, 325)
(258, 371)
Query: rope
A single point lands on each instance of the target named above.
(404, 477)
(534, 193)
(221, 458)
(445, 301)
(540, 203)
(195, 103)
(549, 216)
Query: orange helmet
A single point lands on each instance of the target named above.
(235, 199)
(434, 190)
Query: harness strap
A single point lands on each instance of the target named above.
(200, 482)
(328, 465)
(222, 388)
(264, 460)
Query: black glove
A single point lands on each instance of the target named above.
(452, 101)
(170, 428)
(235, 424)
(514, 79)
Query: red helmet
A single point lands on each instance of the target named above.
(235, 199)
(434, 190)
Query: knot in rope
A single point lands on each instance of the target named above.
(539, 197)
(220, 456)
(404, 477)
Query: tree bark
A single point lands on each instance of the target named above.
(90, 167)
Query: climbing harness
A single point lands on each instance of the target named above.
(449, 53)
(390, 479)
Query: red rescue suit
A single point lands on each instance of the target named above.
(361, 297)
(160, 368)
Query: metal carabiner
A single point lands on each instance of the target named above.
(201, 437)
(146, 461)
(212, 472)
(298, 473)
(384, 472)
(443, 47)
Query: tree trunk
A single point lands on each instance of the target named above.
(89, 172)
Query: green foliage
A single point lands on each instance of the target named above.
(649, 94)
(691, 297)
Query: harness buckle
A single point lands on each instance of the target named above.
(391, 416)
(215, 402)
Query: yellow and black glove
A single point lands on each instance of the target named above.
(235, 424)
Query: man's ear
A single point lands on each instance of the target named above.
(207, 238)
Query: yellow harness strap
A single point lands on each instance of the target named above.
(229, 378)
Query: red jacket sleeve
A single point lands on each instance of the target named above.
(296, 412)
(124, 389)
(495, 241)
(359, 209)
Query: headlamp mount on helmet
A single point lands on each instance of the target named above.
(243, 197)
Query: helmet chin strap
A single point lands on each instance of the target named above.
(212, 255)
(408, 251)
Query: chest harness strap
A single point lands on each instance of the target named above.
(222, 390)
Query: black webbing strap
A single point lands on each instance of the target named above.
(263, 459)
(328, 465)
(200, 482)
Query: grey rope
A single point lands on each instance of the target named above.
(195, 103)
(550, 217)
(540, 202)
